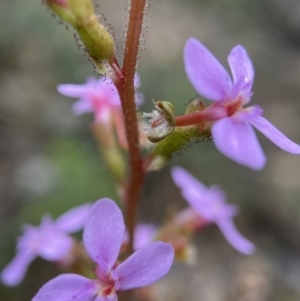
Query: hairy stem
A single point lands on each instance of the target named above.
(210, 114)
(127, 94)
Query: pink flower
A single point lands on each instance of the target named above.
(50, 241)
(102, 237)
(233, 133)
(101, 97)
(97, 95)
(210, 204)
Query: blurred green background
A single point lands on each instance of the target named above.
(49, 160)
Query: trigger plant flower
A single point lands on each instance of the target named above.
(232, 122)
(50, 240)
(102, 237)
(101, 97)
(210, 204)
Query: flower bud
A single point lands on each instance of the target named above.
(61, 8)
(80, 14)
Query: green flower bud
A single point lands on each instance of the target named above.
(98, 42)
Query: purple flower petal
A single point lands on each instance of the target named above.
(241, 67)
(185, 180)
(137, 81)
(54, 245)
(232, 235)
(72, 90)
(74, 219)
(68, 287)
(139, 98)
(145, 266)
(195, 199)
(82, 106)
(238, 141)
(206, 205)
(15, 271)
(143, 235)
(206, 74)
(272, 133)
(103, 233)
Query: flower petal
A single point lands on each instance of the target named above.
(241, 67)
(232, 235)
(273, 134)
(196, 200)
(54, 245)
(137, 81)
(206, 74)
(238, 141)
(143, 235)
(68, 287)
(74, 219)
(72, 90)
(194, 192)
(103, 233)
(15, 271)
(139, 98)
(186, 181)
(81, 106)
(145, 266)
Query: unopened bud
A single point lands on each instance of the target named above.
(61, 8)
(80, 14)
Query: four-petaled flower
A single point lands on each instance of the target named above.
(50, 241)
(209, 203)
(233, 134)
(102, 237)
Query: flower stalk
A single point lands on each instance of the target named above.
(209, 114)
(126, 90)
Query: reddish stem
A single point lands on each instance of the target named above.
(209, 114)
(127, 95)
(62, 3)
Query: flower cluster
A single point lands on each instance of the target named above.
(129, 258)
